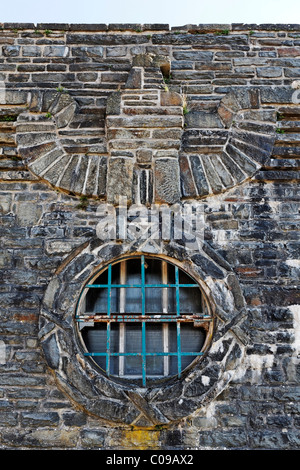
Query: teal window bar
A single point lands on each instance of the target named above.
(127, 340)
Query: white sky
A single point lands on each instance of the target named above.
(172, 12)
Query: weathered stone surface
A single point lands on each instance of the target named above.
(186, 178)
(199, 176)
(59, 162)
(113, 104)
(134, 79)
(167, 188)
(200, 119)
(148, 121)
(170, 99)
(120, 174)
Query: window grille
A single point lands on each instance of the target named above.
(143, 319)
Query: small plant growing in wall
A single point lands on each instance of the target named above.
(185, 109)
(83, 203)
(224, 32)
(167, 79)
(8, 118)
(279, 116)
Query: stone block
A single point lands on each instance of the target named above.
(36, 151)
(51, 351)
(88, 27)
(28, 214)
(32, 139)
(105, 40)
(87, 51)
(280, 94)
(167, 181)
(40, 419)
(193, 55)
(269, 72)
(169, 98)
(186, 179)
(93, 438)
(293, 72)
(143, 156)
(119, 179)
(199, 175)
(202, 119)
(233, 169)
(53, 77)
(39, 165)
(145, 121)
(65, 116)
(116, 51)
(31, 51)
(245, 163)
(211, 175)
(134, 79)
(56, 51)
(11, 51)
(16, 97)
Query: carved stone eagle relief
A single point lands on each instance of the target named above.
(146, 152)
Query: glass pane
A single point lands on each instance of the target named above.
(172, 300)
(192, 339)
(185, 278)
(153, 295)
(152, 271)
(133, 301)
(153, 300)
(115, 273)
(190, 300)
(154, 344)
(134, 271)
(133, 344)
(114, 301)
(114, 348)
(95, 341)
(96, 301)
(114, 337)
(186, 361)
(172, 337)
(173, 365)
(171, 273)
(102, 278)
(133, 294)
(133, 365)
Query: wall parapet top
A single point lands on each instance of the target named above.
(138, 27)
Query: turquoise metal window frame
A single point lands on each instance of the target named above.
(178, 318)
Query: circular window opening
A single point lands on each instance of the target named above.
(143, 320)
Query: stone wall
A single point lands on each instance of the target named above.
(199, 113)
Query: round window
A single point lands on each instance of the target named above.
(143, 319)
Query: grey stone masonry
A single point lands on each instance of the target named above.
(144, 131)
(171, 118)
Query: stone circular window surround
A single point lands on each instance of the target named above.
(126, 404)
